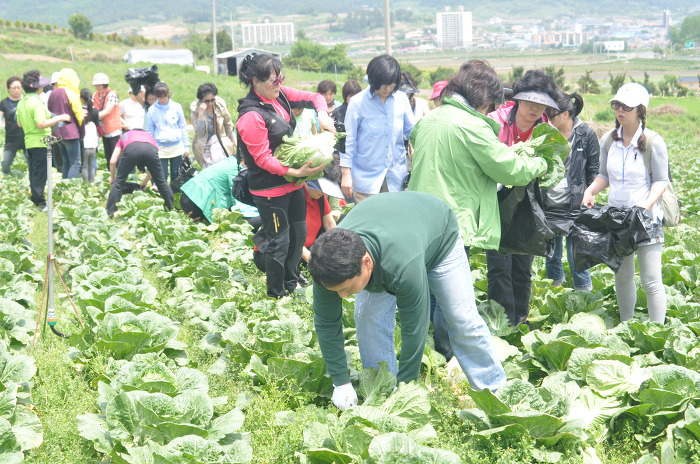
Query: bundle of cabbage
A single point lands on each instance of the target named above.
(547, 143)
(296, 152)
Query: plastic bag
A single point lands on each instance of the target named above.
(137, 77)
(524, 228)
(607, 234)
(185, 173)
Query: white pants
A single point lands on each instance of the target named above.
(649, 257)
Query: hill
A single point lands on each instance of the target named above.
(102, 12)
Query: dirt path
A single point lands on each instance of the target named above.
(28, 57)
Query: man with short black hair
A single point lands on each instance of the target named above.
(380, 248)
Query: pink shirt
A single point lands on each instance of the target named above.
(132, 136)
(251, 127)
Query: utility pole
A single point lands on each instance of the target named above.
(233, 40)
(387, 27)
(213, 36)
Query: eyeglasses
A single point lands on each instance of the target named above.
(389, 86)
(211, 100)
(617, 106)
(552, 113)
(279, 80)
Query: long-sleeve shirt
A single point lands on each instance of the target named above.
(253, 131)
(167, 125)
(374, 146)
(624, 169)
(403, 247)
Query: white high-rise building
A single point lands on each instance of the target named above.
(454, 29)
(268, 33)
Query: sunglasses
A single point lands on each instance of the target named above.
(211, 100)
(279, 80)
(617, 105)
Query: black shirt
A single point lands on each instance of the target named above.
(14, 135)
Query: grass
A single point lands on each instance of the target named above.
(60, 392)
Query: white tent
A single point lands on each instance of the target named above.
(181, 56)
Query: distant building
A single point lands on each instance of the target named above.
(229, 62)
(667, 19)
(268, 33)
(560, 39)
(454, 29)
(183, 57)
(690, 83)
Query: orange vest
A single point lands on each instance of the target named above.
(111, 122)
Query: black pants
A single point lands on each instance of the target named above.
(284, 233)
(510, 283)
(109, 143)
(138, 152)
(37, 174)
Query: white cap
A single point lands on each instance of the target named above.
(100, 79)
(632, 95)
(54, 77)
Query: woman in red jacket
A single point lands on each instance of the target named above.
(264, 119)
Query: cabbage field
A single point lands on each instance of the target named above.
(184, 360)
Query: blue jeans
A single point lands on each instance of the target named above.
(70, 152)
(8, 157)
(451, 283)
(172, 165)
(555, 268)
(440, 333)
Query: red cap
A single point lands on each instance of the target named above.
(438, 88)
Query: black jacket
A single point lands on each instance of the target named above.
(277, 128)
(338, 116)
(583, 165)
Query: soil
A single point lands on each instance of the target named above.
(28, 57)
(667, 109)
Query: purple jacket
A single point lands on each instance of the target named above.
(58, 104)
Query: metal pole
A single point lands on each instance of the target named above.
(213, 35)
(233, 39)
(50, 311)
(387, 27)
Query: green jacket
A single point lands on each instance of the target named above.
(457, 156)
(406, 234)
(212, 187)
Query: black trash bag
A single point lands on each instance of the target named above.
(560, 215)
(524, 228)
(607, 234)
(185, 173)
(137, 77)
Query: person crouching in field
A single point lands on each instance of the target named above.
(136, 147)
(381, 249)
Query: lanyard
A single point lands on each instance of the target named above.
(625, 151)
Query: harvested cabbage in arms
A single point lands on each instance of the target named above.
(547, 143)
(296, 152)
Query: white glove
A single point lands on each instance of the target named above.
(344, 396)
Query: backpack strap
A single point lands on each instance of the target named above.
(647, 153)
(607, 140)
(322, 207)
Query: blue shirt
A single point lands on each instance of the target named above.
(374, 147)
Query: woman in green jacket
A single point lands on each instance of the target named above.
(458, 157)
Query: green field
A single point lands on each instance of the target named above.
(208, 312)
